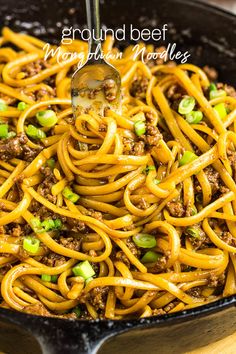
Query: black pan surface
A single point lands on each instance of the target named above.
(209, 35)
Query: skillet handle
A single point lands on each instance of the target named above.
(58, 336)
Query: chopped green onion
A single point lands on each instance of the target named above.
(194, 210)
(35, 223)
(68, 194)
(34, 132)
(212, 87)
(149, 168)
(83, 269)
(54, 278)
(88, 280)
(57, 224)
(3, 106)
(150, 257)
(193, 232)
(187, 157)
(77, 311)
(217, 94)
(22, 106)
(139, 128)
(186, 105)
(194, 117)
(31, 244)
(11, 135)
(3, 130)
(220, 109)
(47, 225)
(46, 118)
(156, 181)
(145, 240)
(46, 277)
(51, 163)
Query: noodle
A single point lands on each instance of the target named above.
(157, 231)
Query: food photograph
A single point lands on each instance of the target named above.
(118, 177)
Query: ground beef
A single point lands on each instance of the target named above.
(53, 260)
(230, 90)
(211, 73)
(7, 99)
(132, 247)
(143, 204)
(159, 266)
(152, 136)
(121, 256)
(176, 209)
(195, 292)
(158, 312)
(37, 309)
(228, 238)
(133, 148)
(139, 87)
(16, 147)
(44, 188)
(71, 243)
(76, 225)
(110, 89)
(34, 67)
(169, 307)
(215, 180)
(94, 214)
(98, 296)
(216, 280)
(174, 93)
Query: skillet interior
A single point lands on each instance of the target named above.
(195, 28)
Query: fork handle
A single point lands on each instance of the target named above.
(93, 22)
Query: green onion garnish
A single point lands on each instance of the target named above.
(11, 135)
(149, 168)
(34, 132)
(186, 105)
(194, 117)
(88, 280)
(217, 94)
(150, 257)
(47, 225)
(156, 181)
(46, 118)
(51, 163)
(221, 110)
(3, 130)
(83, 269)
(22, 106)
(145, 240)
(57, 224)
(187, 157)
(35, 223)
(31, 244)
(212, 87)
(54, 278)
(68, 194)
(193, 232)
(46, 277)
(139, 128)
(77, 311)
(3, 106)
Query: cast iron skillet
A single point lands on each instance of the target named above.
(209, 34)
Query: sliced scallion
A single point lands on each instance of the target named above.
(150, 257)
(83, 269)
(194, 117)
(139, 128)
(145, 240)
(186, 105)
(31, 244)
(187, 157)
(47, 118)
